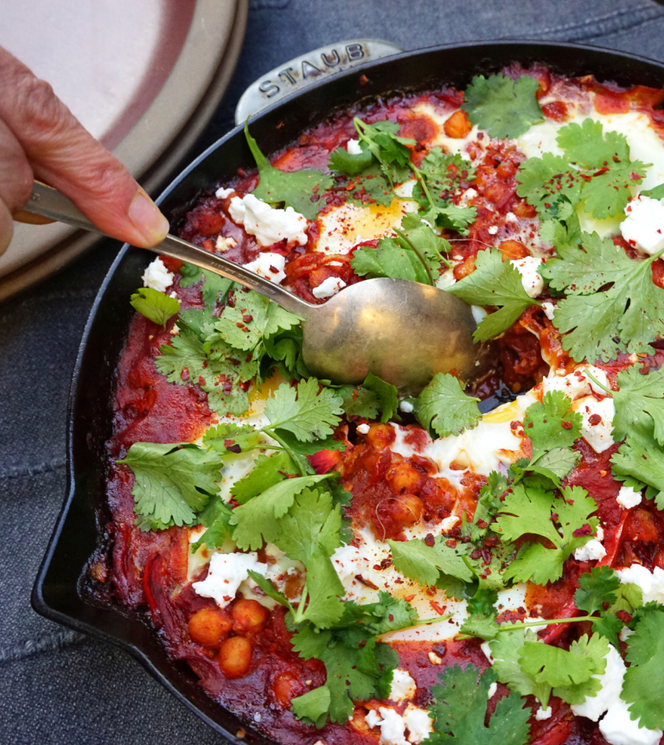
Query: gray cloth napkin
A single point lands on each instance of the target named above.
(57, 686)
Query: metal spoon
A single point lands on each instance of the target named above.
(403, 332)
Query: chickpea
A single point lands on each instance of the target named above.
(458, 125)
(403, 478)
(286, 687)
(407, 510)
(209, 626)
(249, 616)
(380, 436)
(513, 250)
(235, 657)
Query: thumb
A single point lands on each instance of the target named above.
(64, 154)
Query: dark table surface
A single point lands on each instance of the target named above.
(57, 686)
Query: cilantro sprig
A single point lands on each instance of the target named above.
(504, 107)
(156, 306)
(494, 282)
(444, 407)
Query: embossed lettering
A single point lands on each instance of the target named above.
(309, 70)
(287, 74)
(268, 88)
(355, 51)
(331, 58)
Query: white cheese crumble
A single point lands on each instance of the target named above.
(591, 551)
(542, 714)
(363, 429)
(478, 313)
(486, 648)
(434, 659)
(222, 193)
(628, 497)
(225, 575)
(353, 147)
(652, 583)
(532, 282)
(328, 287)
(597, 421)
(643, 226)
(493, 689)
(418, 723)
(617, 726)
(157, 276)
(549, 309)
(403, 686)
(492, 230)
(267, 224)
(268, 265)
(407, 407)
(223, 243)
(577, 383)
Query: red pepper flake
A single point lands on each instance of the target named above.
(363, 80)
(248, 318)
(409, 598)
(429, 540)
(184, 375)
(594, 419)
(583, 531)
(567, 425)
(624, 616)
(366, 582)
(451, 543)
(201, 380)
(440, 609)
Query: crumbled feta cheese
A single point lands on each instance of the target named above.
(591, 551)
(492, 230)
(619, 728)
(652, 583)
(599, 533)
(392, 725)
(448, 523)
(597, 421)
(532, 282)
(328, 287)
(628, 497)
(223, 243)
(157, 276)
(466, 197)
(222, 193)
(175, 330)
(478, 313)
(511, 217)
(407, 407)
(418, 723)
(268, 265)
(542, 714)
(403, 686)
(611, 681)
(434, 659)
(577, 383)
(353, 147)
(643, 226)
(493, 689)
(267, 224)
(363, 429)
(625, 633)
(225, 574)
(549, 309)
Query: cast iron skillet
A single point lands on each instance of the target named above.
(63, 591)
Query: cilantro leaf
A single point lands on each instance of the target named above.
(214, 288)
(601, 323)
(156, 306)
(229, 435)
(655, 193)
(444, 407)
(571, 673)
(302, 190)
(385, 395)
(504, 107)
(267, 471)
(494, 282)
(423, 563)
(444, 173)
(305, 411)
(460, 710)
(370, 186)
(552, 423)
(256, 520)
(529, 509)
(173, 482)
(587, 146)
(547, 183)
(216, 518)
(643, 462)
(451, 217)
(482, 615)
(390, 150)
(389, 259)
(351, 164)
(639, 405)
(488, 505)
(506, 649)
(644, 679)
(596, 588)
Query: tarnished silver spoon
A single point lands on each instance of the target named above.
(403, 332)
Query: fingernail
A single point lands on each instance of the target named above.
(146, 218)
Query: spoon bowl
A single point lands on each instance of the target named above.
(403, 332)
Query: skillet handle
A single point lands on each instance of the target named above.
(302, 71)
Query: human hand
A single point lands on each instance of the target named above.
(41, 139)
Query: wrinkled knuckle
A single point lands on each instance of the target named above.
(43, 113)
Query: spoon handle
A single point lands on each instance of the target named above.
(49, 202)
